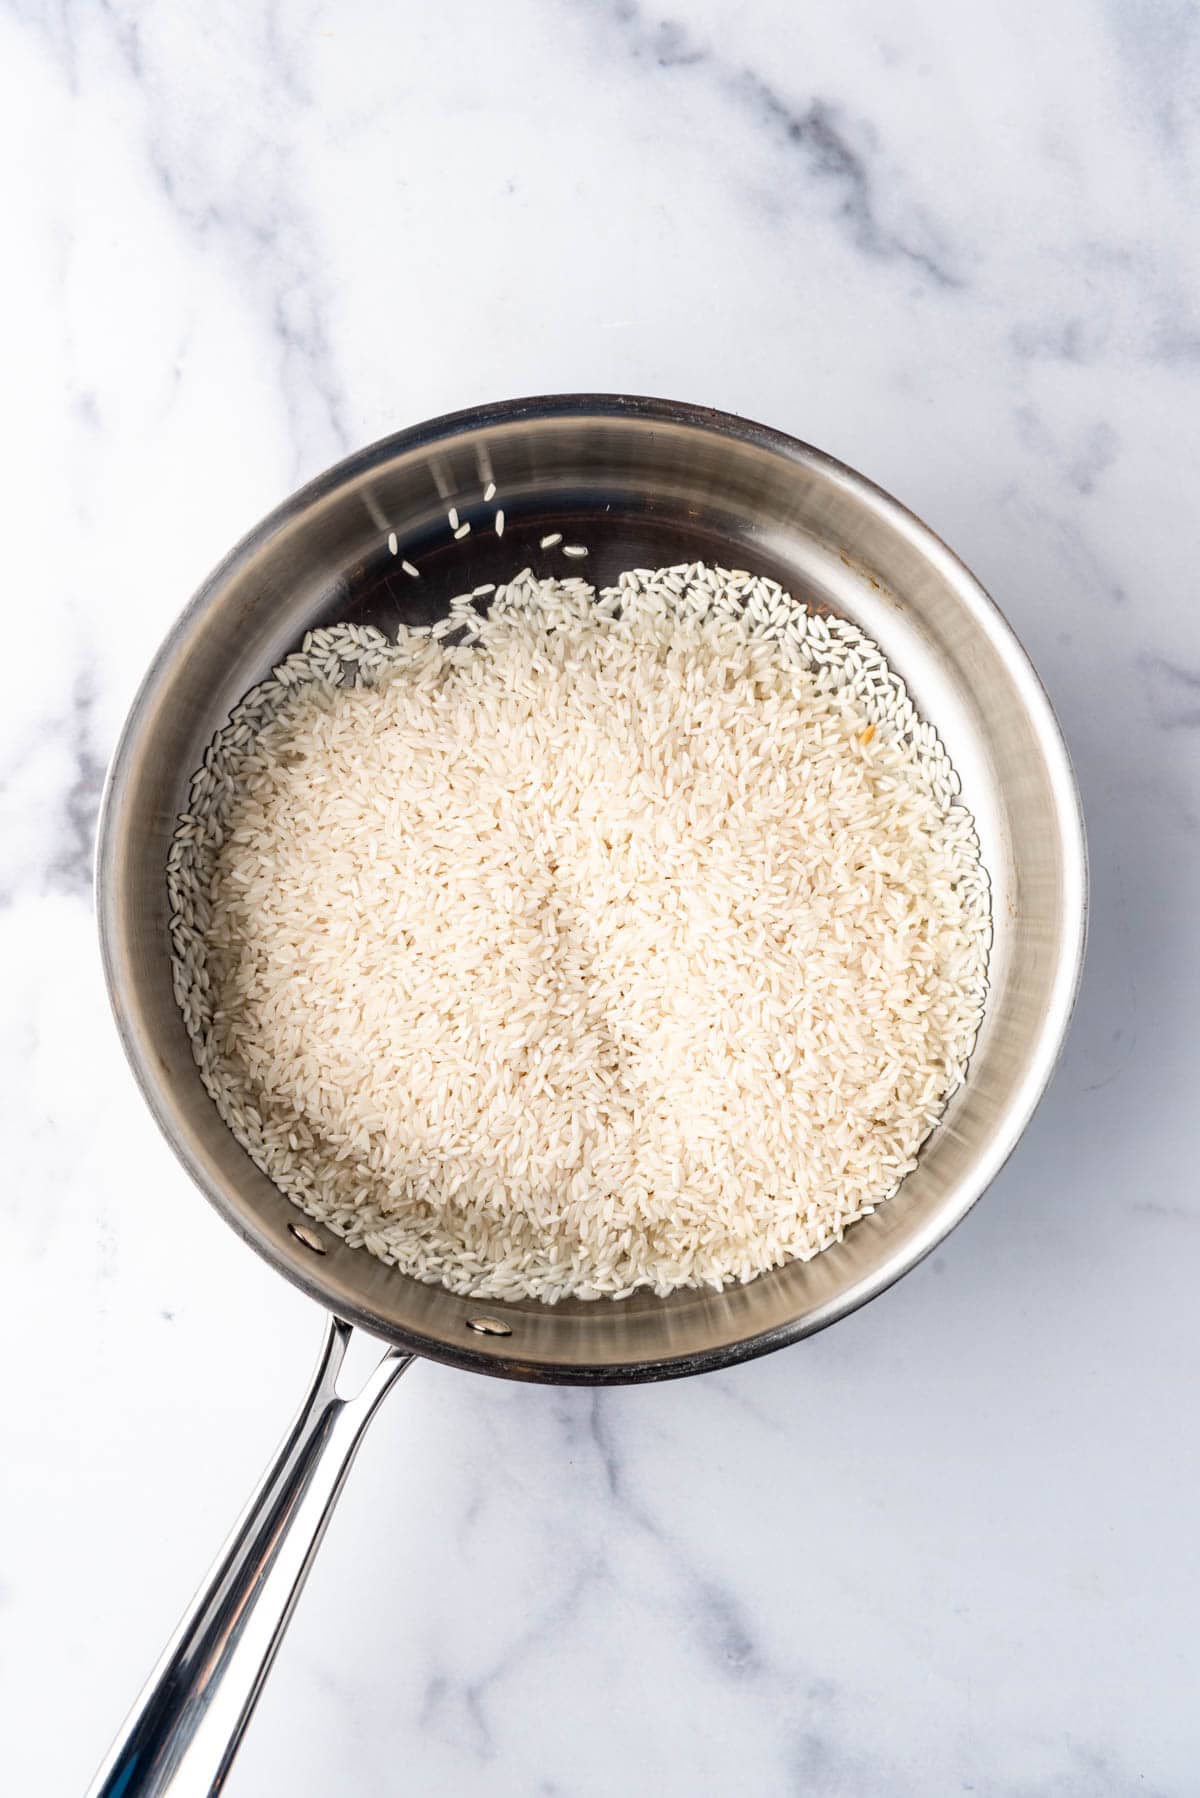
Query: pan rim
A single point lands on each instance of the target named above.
(1042, 1053)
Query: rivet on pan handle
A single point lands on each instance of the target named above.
(489, 1326)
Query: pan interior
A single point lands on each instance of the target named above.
(641, 483)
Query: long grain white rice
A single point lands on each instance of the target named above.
(617, 940)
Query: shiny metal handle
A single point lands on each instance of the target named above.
(182, 1734)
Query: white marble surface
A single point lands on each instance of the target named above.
(945, 1547)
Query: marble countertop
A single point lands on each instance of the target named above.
(944, 1547)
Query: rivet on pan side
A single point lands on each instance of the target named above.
(488, 1326)
(308, 1236)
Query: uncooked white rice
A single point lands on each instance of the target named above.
(550, 540)
(585, 943)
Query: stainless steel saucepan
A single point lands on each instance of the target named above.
(641, 483)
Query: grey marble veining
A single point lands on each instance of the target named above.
(941, 1548)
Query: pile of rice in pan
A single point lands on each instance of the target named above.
(588, 941)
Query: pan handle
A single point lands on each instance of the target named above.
(182, 1734)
